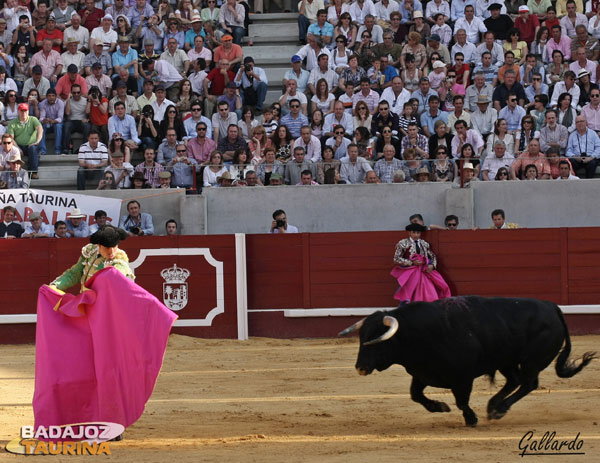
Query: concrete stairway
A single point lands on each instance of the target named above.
(275, 40)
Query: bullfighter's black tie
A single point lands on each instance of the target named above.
(418, 247)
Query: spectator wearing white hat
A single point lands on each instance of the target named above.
(77, 227)
(105, 33)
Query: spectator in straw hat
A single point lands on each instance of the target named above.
(37, 228)
(225, 180)
(126, 58)
(484, 116)
(15, 176)
(73, 55)
(468, 175)
(193, 32)
(422, 175)
(77, 227)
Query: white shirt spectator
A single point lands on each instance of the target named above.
(473, 28)
(376, 33)
(396, 102)
(358, 14)
(468, 49)
(383, 12)
(312, 148)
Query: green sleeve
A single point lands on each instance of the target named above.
(71, 276)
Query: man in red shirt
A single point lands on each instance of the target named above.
(90, 15)
(219, 77)
(52, 33)
(71, 77)
(230, 51)
(527, 24)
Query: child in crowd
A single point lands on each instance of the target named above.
(437, 76)
(443, 30)
(406, 118)
(268, 123)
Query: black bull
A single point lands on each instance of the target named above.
(450, 342)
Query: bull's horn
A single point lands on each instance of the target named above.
(352, 329)
(387, 321)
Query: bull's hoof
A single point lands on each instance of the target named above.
(471, 421)
(495, 414)
(436, 406)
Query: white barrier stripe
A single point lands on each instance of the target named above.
(306, 313)
(241, 286)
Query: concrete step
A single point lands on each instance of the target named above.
(269, 40)
(273, 17)
(272, 96)
(55, 172)
(276, 53)
(61, 160)
(274, 29)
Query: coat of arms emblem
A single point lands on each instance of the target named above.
(175, 288)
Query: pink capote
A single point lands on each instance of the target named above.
(97, 357)
(417, 285)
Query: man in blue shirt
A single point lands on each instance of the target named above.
(190, 35)
(322, 28)
(294, 120)
(432, 115)
(125, 57)
(512, 113)
(136, 223)
(125, 125)
(583, 148)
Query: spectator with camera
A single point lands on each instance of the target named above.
(121, 170)
(23, 34)
(280, 223)
(181, 168)
(253, 82)
(93, 158)
(136, 222)
(97, 108)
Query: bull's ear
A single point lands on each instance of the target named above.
(393, 325)
(353, 328)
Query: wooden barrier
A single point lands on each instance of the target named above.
(334, 271)
(208, 306)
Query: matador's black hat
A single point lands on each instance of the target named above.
(108, 236)
(415, 227)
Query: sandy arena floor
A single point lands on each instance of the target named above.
(301, 400)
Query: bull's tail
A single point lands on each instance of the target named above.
(566, 368)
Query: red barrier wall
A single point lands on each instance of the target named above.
(29, 264)
(353, 270)
(325, 270)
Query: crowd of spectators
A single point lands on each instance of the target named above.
(75, 225)
(381, 92)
